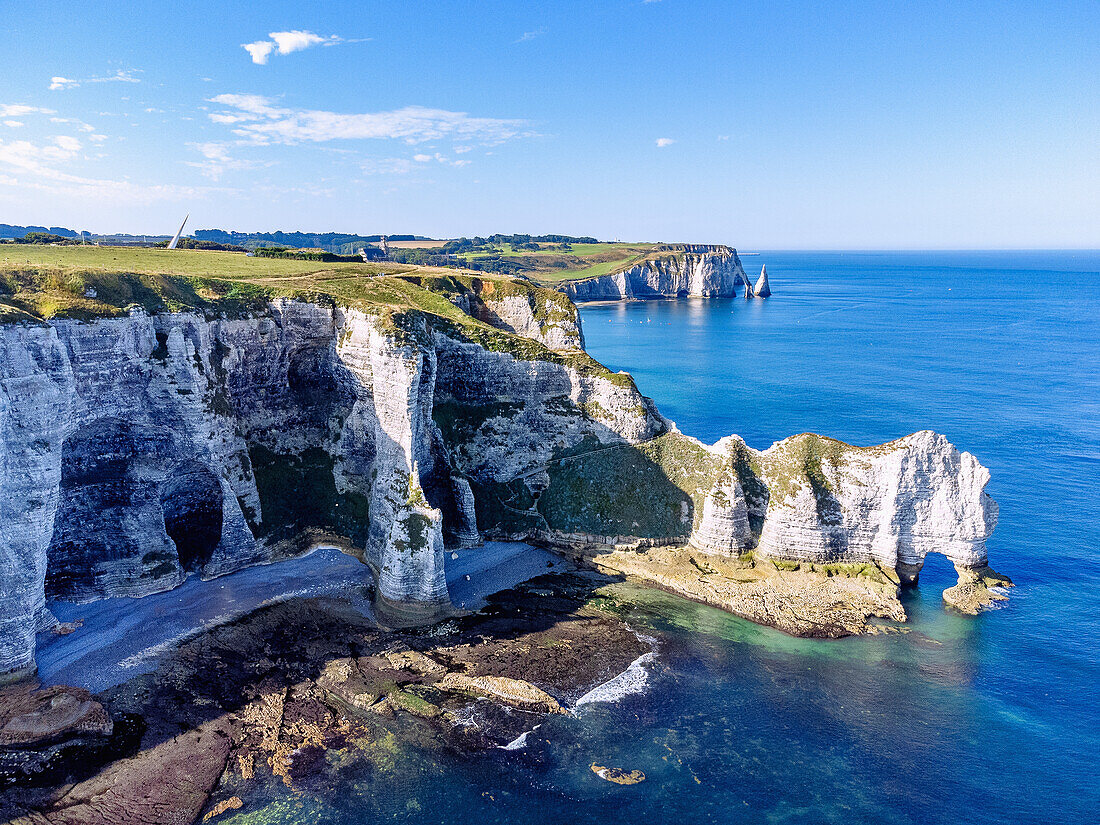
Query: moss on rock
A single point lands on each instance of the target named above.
(298, 493)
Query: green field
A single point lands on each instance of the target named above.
(39, 283)
(551, 266)
(191, 262)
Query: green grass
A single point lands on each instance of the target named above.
(593, 271)
(587, 260)
(190, 262)
(549, 266)
(47, 282)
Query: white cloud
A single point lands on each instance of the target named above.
(68, 143)
(36, 166)
(403, 166)
(80, 124)
(218, 160)
(21, 110)
(288, 43)
(259, 51)
(295, 41)
(58, 82)
(37, 158)
(446, 161)
(523, 38)
(14, 124)
(258, 120)
(663, 142)
(387, 166)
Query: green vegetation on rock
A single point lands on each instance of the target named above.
(649, 490)
(39, 283)
(460, 422)
(298, 493)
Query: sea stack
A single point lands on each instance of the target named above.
(763, 290)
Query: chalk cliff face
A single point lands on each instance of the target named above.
(806, 498)
(762, 289)
(138, 450)
(678, 271)
(539, 314)
(892, 505)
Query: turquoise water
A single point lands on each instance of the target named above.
(987, 720)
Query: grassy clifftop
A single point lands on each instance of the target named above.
(551, 263)
(40, 283)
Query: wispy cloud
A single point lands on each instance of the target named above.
(57, 82)
(22, 110)
(13, 124)
(38, 158)
(663, 142)
(79, 124)
(541, 30)
(258, 120)
(44, 167)
(217, 160)
(289, 42)
(439, 157)
(387, 166)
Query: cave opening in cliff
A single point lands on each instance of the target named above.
(108, 508)
(192, 502)
(311, 376)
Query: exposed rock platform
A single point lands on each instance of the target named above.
(265, 698)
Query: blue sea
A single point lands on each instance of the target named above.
(994, 719)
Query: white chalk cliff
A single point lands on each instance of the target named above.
(763, 288)
(674, 271)
(832, 502)
(138, 450)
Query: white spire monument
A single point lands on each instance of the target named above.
(172, 243)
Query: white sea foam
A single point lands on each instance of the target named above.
(519, 743)
(632, 680)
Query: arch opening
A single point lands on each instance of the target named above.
(192, 502)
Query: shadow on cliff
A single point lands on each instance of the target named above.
(615, 492)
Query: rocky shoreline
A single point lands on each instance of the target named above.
(285, 692)
(277, 697)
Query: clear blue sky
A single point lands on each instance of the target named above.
(760, 124)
